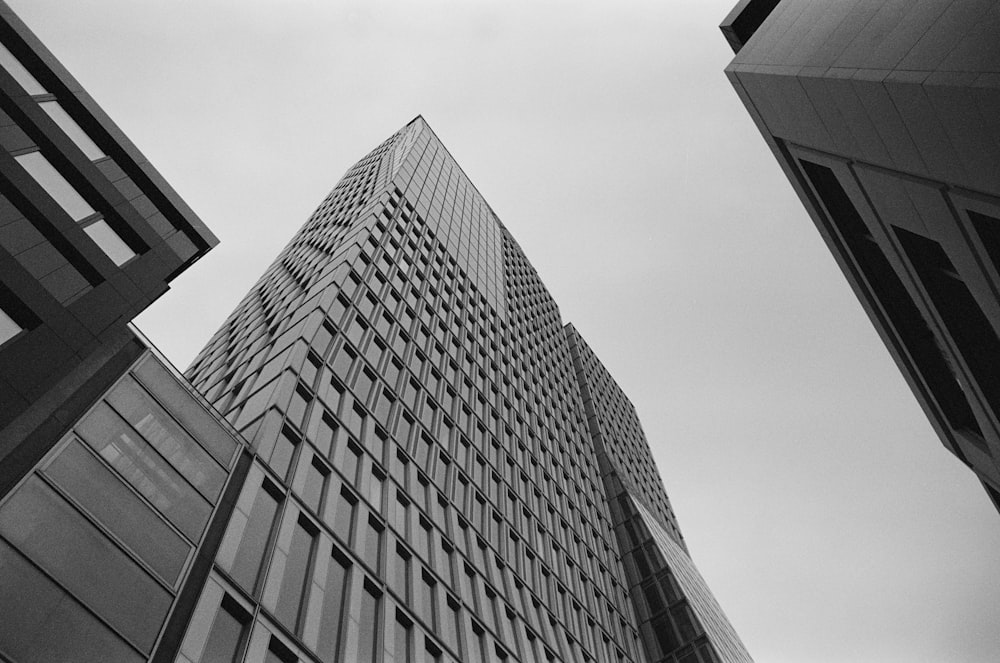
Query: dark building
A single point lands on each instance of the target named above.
(443, 471)
(116, 478)
(884, 117)
(90, 235)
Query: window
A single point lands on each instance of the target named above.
(343, 518)
(962, 315)
(60, 628)
(71, 129)
(168, 438)
(333, 607)
(400, 580)
(368, 651)
(96, 488)
(279, 653)
(281, 455)
(373, 543)
(433, 651)
(43, 526)
(349, 466)
(892, 295)
(8, 328)
(325, 433)
(228, 634)
(375, 490)
(291, 598)
(312, 492)
(20, 73)
(256, 536)
(401, 648)
(452, 622)
(427, 605)
(55, 185)
(145, 470)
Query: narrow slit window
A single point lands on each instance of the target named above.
(20, 73)
(8, 327)
(61, 191)
(72, 129)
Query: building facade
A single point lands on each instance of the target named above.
(90, 235)
(393, 449)
(116, 478)
(443, 471)
(884, 119)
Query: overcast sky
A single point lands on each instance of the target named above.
(830, 522)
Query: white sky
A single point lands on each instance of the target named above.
(819, 505)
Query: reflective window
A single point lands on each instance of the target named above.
(312, 492)
(325, 432)
(426, 604)
(55, 185)
(373, 544)
(159, 428)
(57, 627)
(399, 582)
(228, 634)
(246, 565)
(19, 72)
(145, 470)
(291, 606)
(401, 646)
(349, 467)
(343, 517)
(122, 512)
(8, 328)
(333, 604)
(60, 540)
(72, 129)
(368, 628)
(110, 242)
(284, 448)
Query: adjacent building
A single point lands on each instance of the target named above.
(884, 118)
(116, 478)
(443, 471)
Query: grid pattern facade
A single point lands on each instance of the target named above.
(679, 619)
(425, 485)
(884, 121)
(98, 542)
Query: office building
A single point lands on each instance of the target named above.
(417, 460)
(884, 119)
(443, 471)
(115, 476)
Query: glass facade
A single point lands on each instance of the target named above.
(426, 485)
(103, 533)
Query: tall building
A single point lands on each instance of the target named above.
(884, 119)
(442, 470)
(116, 478)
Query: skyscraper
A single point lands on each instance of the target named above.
(443, 471)
(884, 120)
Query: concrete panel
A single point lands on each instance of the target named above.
(923, 125)
(955, 103)
(939, 39)
(887, 121)
(841, 34)
(979, 49)
(871, 47)
(872, 147)
(890, 200)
